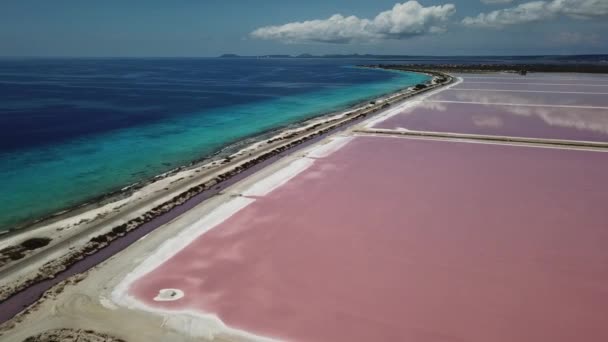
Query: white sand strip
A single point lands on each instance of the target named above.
(328, 148)
(280, 177)
(517, 104)
(530, 91)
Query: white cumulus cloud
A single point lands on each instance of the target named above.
(528, 12)
(402, 21)
(581, 8)
(539, 10)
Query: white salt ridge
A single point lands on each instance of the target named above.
(327, 149)
(285, 174)
(280, 177)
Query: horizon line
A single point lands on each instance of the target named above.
(303, 56)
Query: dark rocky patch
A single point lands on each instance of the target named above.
(72, 335)
(19, 251)
(35, 243)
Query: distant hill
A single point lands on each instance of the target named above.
(308, 55)
(232, 55)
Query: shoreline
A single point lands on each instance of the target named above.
(180, 195)
(290, 243)
(230, 148)
(493, 68)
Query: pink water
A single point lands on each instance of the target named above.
(391, 239)
(539, 85)
(536, 77)
(554, 99)
(517, 121)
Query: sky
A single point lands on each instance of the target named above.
(206, 28)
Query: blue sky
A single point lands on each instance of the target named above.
(212, 27)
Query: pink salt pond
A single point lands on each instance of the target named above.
(535, 77)
(395, 239)
(583, 124)
(538, 86)
(522, 98)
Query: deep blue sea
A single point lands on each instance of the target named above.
(73, 129)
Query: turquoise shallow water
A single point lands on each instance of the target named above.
(45, 178)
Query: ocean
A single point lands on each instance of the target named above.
(74, 129)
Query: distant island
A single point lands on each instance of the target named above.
(593, 59)
(308, 55)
